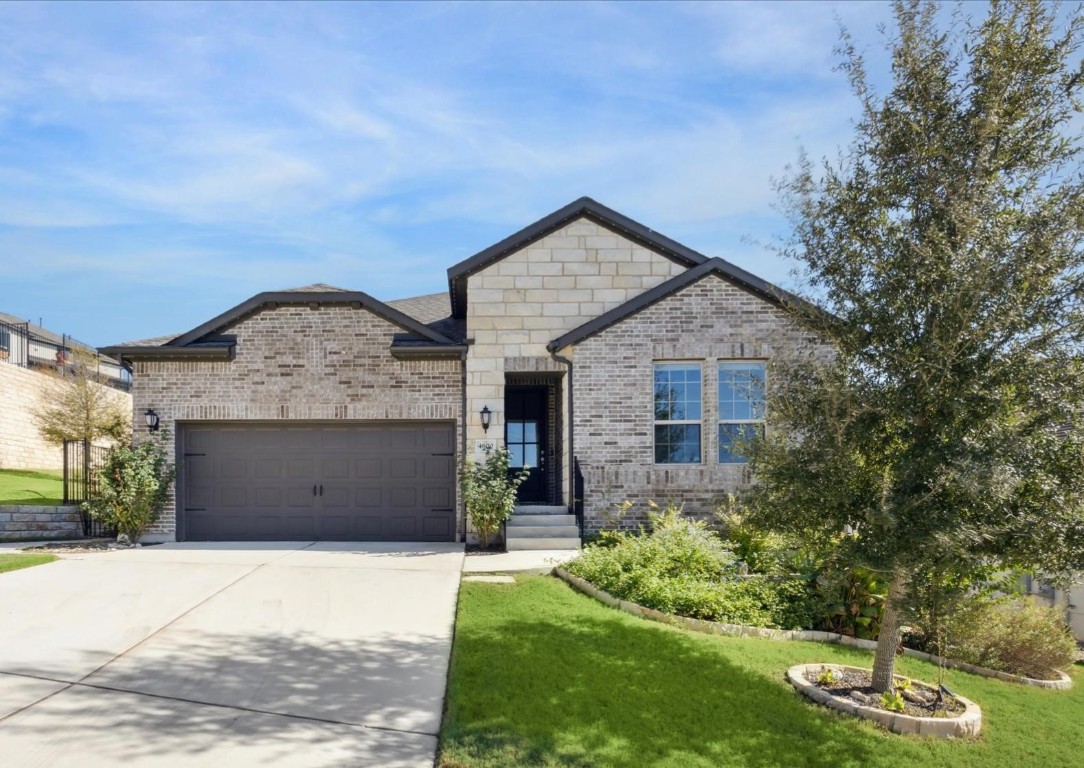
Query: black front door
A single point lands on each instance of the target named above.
(525, 436)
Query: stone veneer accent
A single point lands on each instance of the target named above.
(295, 363)
(519, 304)
(21, 445)
(25, 521)
(709, 321)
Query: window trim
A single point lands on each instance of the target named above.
(721, 364)
(656, 422)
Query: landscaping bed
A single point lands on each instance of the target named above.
(91, 545)
(682, 571)
(857, 685)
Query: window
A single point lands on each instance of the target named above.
(521, 439)
(677, 413)
(742, 407)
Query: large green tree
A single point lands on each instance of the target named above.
(946, 246)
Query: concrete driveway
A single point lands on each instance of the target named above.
(273, 654)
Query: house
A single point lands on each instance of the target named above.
(614, 362)
(33, 346)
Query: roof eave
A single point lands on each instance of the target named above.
(164, 353)
(718, 267)
(436, 352)
(277, 298)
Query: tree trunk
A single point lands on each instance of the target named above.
(888, 639)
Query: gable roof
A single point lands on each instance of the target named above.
(428, 308)
(205, 341)
(718, 267)
(585, 207)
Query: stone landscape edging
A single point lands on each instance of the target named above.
(964, 725)
(740, 630)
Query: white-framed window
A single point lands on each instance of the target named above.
(677, 404)
(742, 406)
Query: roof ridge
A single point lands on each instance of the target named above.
(315, 288)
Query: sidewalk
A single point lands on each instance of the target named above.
(529, 560)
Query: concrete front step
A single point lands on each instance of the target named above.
(518, 520)
(539, 509)
(546, 542)
(539, 531)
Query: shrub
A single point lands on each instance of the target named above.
(828, 676)
(892, 701)
(1018, 637)
(133, 487)
(761, 551)
(489, 491)
(855, 602)
(683, 567)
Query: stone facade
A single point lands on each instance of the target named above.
(519, 304)
(23, 391)
(26, 522)
(295, 363)
(707, 322)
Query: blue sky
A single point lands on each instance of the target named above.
(160, 163)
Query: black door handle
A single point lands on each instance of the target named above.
(314, 490)
(321, 490)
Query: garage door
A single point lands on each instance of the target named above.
(383, 482)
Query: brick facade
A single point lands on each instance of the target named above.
(707, 322)
(296, 363)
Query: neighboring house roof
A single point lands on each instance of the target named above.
(44, 334)
(717, 267)
(585, 207)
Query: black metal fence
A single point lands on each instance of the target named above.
(81, 462)
(19, 345)
(577, 494)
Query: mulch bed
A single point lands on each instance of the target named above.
(920, 701)
(81, 547)
(493, 549)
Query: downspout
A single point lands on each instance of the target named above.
(462, 437)
(571, 434)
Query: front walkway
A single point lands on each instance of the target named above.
(526, 560)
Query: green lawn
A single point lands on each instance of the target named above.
(31, 486)
(544, 676)
(15, 561)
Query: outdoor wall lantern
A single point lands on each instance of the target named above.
(152, 420)
(486, 415)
